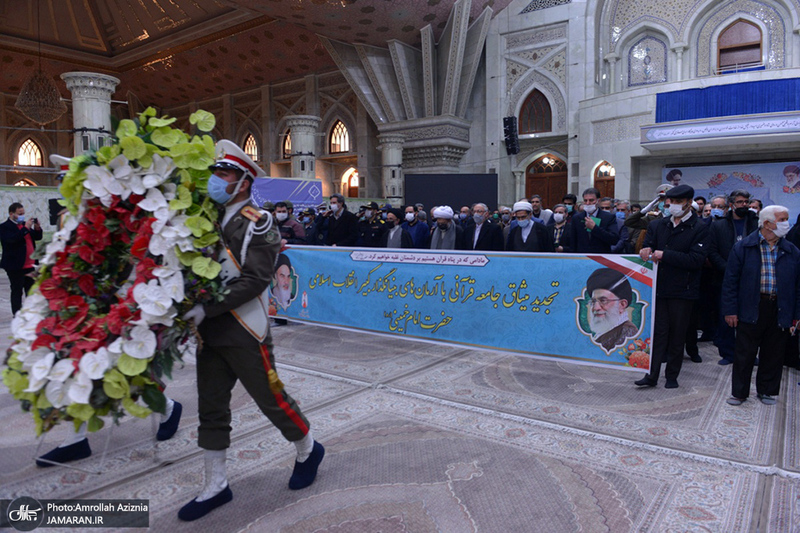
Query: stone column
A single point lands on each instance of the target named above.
(304, 138)
(519, 183)
(91, 108)
(391, 147)
(613, 83)
(678, 49)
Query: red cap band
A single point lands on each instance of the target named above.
(242, 162)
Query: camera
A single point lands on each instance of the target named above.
(35, 220)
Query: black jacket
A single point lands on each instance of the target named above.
(543, 241)
(600, 239)
(15, 250)
(405, 239)
(490, 238)
(565, 241)
(685, 247)
(370, 232)
(721, 239)
(342, 231)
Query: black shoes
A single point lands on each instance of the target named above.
(194, 509)
(304, 473)
(167, 429)
(73, 452)
(671, 384)
(646, 381)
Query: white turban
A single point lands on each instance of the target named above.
(444, 211)
(695, 206)
(523, 206)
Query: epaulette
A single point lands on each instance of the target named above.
(251, 213)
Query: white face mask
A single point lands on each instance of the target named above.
(410, 217)
(590, 208)
(368, 213)
(782, 229)
(676, 210)
(334, 207)
(558, 217)
(281, 216)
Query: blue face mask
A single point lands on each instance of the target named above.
(216, 190)
(21, 219)
(663, 208)
(621, 215)
(523, 223)
(569, 208)
(716, 212)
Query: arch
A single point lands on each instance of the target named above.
(603, 174)
(25, 182)
(350, 182)
(550, 88)
(338, 138)
(535, 114)
(547, 176)
(740, 43)
(647, 61)
(29, 154)
(341, 113)
(250, 147)
(285, 149)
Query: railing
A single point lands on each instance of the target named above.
(740, 67)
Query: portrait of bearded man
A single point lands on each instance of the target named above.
(610, 295)
(282, 289)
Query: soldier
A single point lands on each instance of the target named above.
(237, 344)
(371, 227)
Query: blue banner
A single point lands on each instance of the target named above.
(302, 193)
(589, 309)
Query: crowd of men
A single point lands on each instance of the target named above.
(704, 248)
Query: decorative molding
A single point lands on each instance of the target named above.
(557, 66)
(541, 35)
(428, 70)
(458, 21)
(652, 67)
(390, 140)
(536, 5)
(442, 157)
(536, 55)
(375, 83)
(403, 79)
(90, 85)
(303, 123)
(477, 36)
(557, 103)
(294, 87)
(619, 128)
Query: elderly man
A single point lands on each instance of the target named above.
(761, 299)
(719, 206)
(610, 294)
(678, 245)
(447, 234)
(483, 234)
(559, 229)
(528, 235)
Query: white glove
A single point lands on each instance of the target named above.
(196, 313)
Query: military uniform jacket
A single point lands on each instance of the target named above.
(220, 328)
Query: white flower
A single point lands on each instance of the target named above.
(114, 351)
(142, 344)
(153, 200)
(159, 171)
(42, 367)
(174, 285)
(94, 364)
(28, 357)
(61, 370)
(159, 244)
(56, 393)
(102, 183)
(147, 319)
(35, 385)
(81, 388)
(170, 191)
(152, 298)
(186, 245)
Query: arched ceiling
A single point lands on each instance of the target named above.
(172, 51)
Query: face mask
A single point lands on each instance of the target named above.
(410, 217)
(590, 209)
(443, 227)
(495, 216)
(304, 220)
(334, 207)
(506, 218)
(782, 229)
(389, 224)
(523, 223)
(662, 207)
(716, 212)
(621, 215)
(383, 216)
(217, 190)
(368, 213)
(477, 218)
(569, 208)
(20, 219)
(754, 210)
(741, 212)
(462, 216)
(676, 210)
(558, 217)
(281, 216)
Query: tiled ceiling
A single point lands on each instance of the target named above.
(172, 51)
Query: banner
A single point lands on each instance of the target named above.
(302, 193)
(594, 309)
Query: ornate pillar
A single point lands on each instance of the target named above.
(91, 108)
(304, 133)
(519, 183)
(612, 59)
(678, 49)
(391, 147)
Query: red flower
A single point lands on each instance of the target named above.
(43, 341)
(86, 285)
(117, 317)
(89, 255)
(54, 293)
(144, 270)
(140, 244)
(96, 216)
(79, 309)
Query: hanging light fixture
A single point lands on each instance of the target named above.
(39, 100)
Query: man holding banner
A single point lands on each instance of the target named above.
(678, 245)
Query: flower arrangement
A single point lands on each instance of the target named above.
(717, 180)
(752, 179)
(137, 249)
(637, 352)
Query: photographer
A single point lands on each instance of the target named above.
(17, 236)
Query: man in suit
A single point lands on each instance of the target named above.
(339, 224)
(593, 231)
(483, 235)
(233, 350)
(17, 237)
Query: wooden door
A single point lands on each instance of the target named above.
(547, 177)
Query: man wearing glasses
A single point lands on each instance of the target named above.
(611, 295)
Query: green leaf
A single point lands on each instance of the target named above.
(95, 424)
(199, 225)
(141, 381)
(107, 153)
(206, 267)
(206, 240)
(210, 208)
(166, 136)
(130, 366)
(155, 399)
(14, 381)
(133, 148)
(204, 120)
(186, 259)
(127, 128)
(159, 122)
(135, 409)
(81, 411)
(42, 402)
(14, 363)
(115, 385)
(182, 200)
(149, 112)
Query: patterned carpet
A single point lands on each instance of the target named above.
(426, 438)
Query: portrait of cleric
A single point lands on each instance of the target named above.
(284, 285)
(607, 302)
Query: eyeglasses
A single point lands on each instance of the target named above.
(521, 217)
(741, 202)
(603, 301)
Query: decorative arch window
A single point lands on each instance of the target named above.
(739, 46)
(647, 62)
(605, 171)
(339, 138)
(250, 147)
(29, 155)
(350, 183)
(287, 144)
(25, 182)
(535, 115)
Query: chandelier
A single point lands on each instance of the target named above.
(39, 100)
